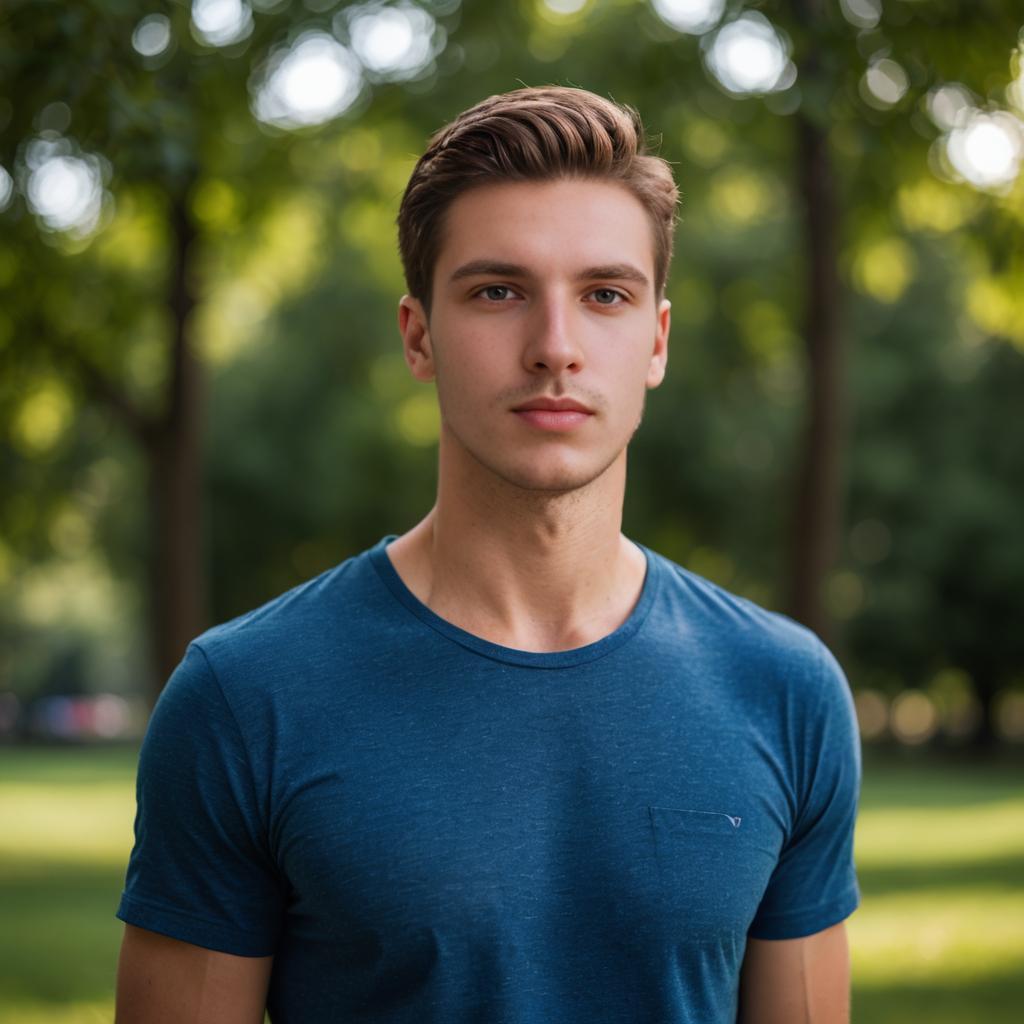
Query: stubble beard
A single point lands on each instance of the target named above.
(524, 485)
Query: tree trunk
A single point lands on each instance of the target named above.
(817, 508)
(177, 593)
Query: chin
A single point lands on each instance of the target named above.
(543, 469)
(557, 477)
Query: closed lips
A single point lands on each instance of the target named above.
(553, 405)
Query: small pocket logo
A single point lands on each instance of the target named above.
(712, 821)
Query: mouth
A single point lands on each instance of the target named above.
(557, 414)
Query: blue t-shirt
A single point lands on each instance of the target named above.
(423, 826)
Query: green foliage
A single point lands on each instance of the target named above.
(316, 444)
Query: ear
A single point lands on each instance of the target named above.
(659, 355)
(416, 344)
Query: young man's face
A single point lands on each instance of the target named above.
(545, 329)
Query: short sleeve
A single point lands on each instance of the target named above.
(200, 870)
(814, 885)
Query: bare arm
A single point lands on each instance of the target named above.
(797, 981)
(164, 981)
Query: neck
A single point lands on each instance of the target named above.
(534, 570)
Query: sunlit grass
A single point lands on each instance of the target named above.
(908, 835)
(67, 827)
(101, 1012)
(52, 824)
(950, 935)
(940, 933)
(939, 936)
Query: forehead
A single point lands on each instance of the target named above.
(547, 227)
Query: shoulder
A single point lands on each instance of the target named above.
(289, 636)
(305, 602)
(698, 606)
(769, 650)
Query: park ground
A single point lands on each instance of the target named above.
(939, 936)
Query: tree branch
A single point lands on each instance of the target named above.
(103, 389)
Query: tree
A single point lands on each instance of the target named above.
(249, 269)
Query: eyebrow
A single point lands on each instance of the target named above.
(496, 268)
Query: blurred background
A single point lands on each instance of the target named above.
(203, 400)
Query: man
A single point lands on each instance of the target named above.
(510, 766)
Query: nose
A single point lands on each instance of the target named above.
(552, 344)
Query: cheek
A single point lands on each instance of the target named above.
(627, 394)
(473, 365)
(622, 366)
(466, 379)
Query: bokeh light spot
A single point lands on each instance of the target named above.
(418, 419)
(65, 191)
(313, 81)
(914, 717)
(1015, 90)
(740, 197)
(986, 151)
(884, 268)
(930, 205)
(1009, 715)
(217, 204)
(995, 307)
(6, 188)
(392, 43)
(42, 419)
(565, 8)
(872, 713)
(861, 13)
(694, 17)
(884, 84)
(748, 57)
(949, 106)
(221, 22)
(152, 35)
(705, 141)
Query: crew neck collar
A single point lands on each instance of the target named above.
(381, 561)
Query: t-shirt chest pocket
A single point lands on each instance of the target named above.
(713, 870)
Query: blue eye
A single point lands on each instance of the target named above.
(606, 296)
(496, 292)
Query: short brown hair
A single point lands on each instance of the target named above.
(531, 134)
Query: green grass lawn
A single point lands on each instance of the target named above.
(939, 938)
(66, 831)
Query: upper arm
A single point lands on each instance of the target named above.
(164, 981)
(814, 882)
(797, 981)
(203, 869)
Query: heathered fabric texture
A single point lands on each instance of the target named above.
(423, 826)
